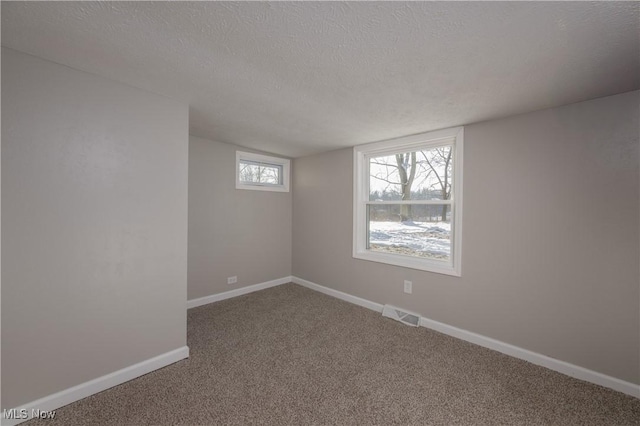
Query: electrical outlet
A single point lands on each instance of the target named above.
(232, 280)
(408, 286)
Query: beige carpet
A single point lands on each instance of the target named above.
(289, 355)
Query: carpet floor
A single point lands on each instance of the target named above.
(291, 356)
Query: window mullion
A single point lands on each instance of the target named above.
(411, 202)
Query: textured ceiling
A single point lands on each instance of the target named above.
(300, 78)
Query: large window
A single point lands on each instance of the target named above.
(261, 172)
(408, 201)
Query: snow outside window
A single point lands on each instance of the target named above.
(408, 201)
(261, 172)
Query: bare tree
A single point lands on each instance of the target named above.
(257, 172)
(404, 171)
(407, 171)
(441, 158)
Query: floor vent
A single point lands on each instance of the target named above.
(401, 315)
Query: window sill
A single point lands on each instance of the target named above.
(272, 188)
(408, 262)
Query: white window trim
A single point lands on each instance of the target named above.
(361, 196)
(276, 161)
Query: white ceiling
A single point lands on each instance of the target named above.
(300, 78)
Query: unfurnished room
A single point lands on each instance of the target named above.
(320, 213)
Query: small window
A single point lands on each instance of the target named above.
(261, 172)
(408, 201)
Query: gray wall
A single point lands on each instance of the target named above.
(94, 221)
(232, 231)
(550, 244)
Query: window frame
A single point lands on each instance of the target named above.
(361, 155)
(283, 163)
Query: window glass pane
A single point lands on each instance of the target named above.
(249, 172)
(270, 174)
(420, 175)
(411, 230)
(254, 172)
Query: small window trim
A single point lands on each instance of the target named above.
(361, 195)
(266, 159)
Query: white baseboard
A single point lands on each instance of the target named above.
(487, 342)
(338, 294)
(236, 292)
(535, 358)
(73, 394)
